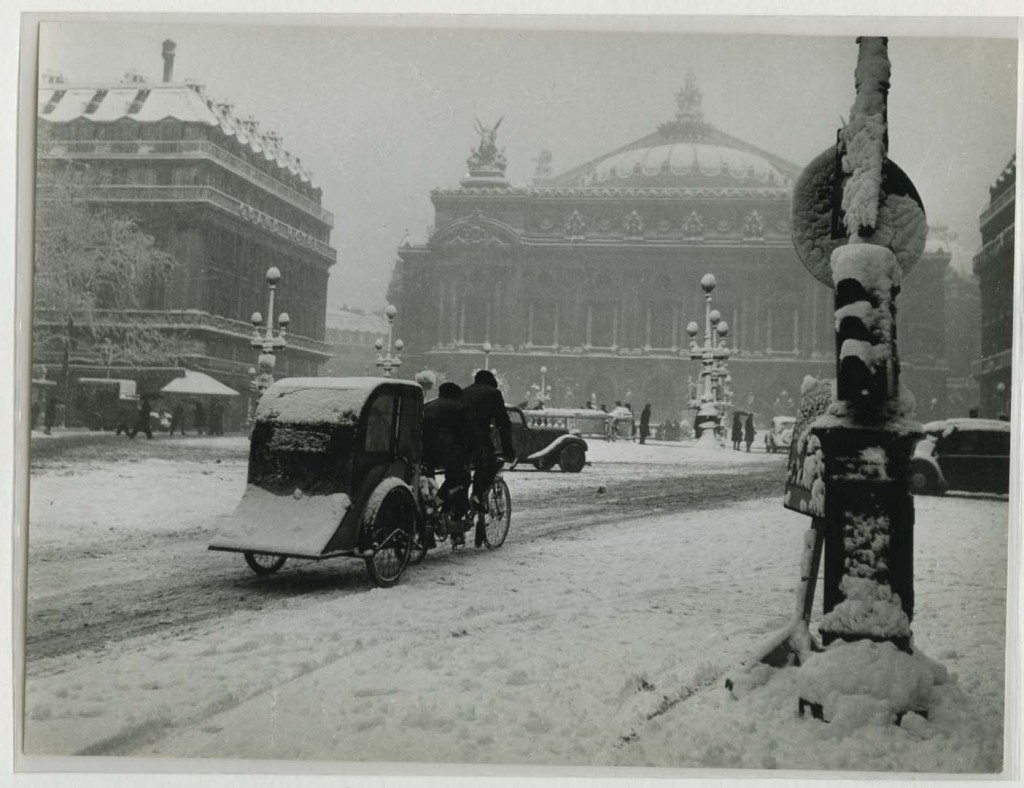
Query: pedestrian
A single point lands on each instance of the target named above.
(737, 430)
(200, 417)
(178, 418)
(49, 414)
(645, 423)
(142, 423)
(748, 430)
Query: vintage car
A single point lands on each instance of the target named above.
(333, 471)
(780, 434)
(972, 455)
(544, 439)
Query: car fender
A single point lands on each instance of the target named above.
(555, 447)
(929, 462)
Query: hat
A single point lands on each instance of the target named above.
(449, 390)
(485, 376)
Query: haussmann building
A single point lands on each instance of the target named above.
(224, 197)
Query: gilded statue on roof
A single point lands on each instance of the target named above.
(487, 156)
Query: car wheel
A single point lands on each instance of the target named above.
(572, 459)
(924, 482)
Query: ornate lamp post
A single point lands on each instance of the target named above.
(713, 394)
(487, 354)
(386, 362)
(541, 392)
(264, 339)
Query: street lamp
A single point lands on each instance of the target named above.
(713, 393)
(264, 339)
(487, 354)
(542, 392)
(386, 362)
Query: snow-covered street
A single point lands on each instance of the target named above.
(598, 635)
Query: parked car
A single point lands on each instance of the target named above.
(780, 433)
(545, 441)
(962, 454)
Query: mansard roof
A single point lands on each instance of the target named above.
(136, 99)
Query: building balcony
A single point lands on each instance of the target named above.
(989, 364)
(191, 320)
(198, 149)
(212, 196)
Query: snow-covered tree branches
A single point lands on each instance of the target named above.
(94, 269)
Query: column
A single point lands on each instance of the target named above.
(440, 312)
(615, 325)
(529, 326)
(557, 311)
(590, 325)
(796, 331)
(768, 328)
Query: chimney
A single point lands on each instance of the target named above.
(168, 53)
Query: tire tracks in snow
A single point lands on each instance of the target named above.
(175, 584)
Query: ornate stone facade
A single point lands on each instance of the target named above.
(594, 274)
(993, 266)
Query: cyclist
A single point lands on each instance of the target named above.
(485, 405)
(446, 444)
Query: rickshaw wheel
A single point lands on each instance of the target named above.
(264, 563)
(393, 527)
(498, 516)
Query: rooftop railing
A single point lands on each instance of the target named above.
(201, 149)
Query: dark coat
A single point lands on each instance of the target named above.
(484, 405)
(748, 430)
(446, 439)
(737, 428)
(645, 421)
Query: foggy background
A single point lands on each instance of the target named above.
(382, 116)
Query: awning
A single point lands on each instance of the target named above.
(198, 384)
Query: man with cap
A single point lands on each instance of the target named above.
(446, 444)
(484, 406)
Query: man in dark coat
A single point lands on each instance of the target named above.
(748, 430)
(484, 406)
(142, 421)
(446, 444)
(645, 423)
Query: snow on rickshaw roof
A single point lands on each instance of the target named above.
(320, 400)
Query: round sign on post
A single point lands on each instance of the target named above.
(901, 227)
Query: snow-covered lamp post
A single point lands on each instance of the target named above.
(712, 394)
(386, 362)
(251, 402)
(487, 354)
(264, 338)
(875, 234)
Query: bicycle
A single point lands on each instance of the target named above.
(436, 523)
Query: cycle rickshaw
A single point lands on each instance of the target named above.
(333, 470)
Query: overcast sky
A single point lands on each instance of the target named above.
(382, 116)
